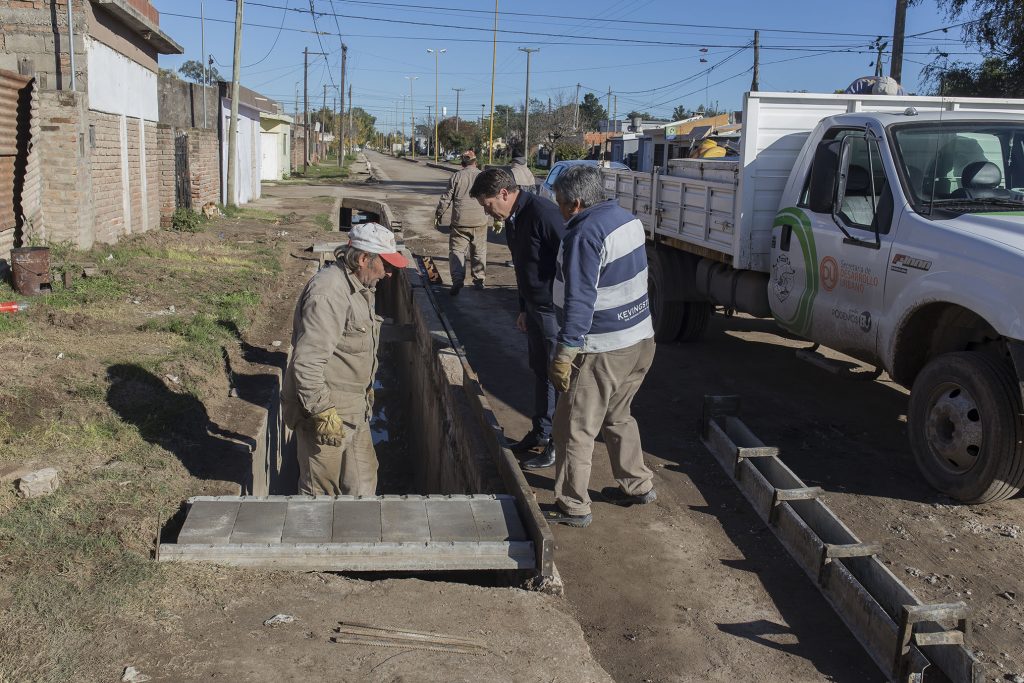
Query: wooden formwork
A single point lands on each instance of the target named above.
(902, 635)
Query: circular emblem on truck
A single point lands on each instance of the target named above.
(829, 273)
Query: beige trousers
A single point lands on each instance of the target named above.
(601, 390)
(347, 470)
(463, 241)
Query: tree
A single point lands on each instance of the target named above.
(591, 112)
(679, 113)
(193, 71)
(996, 29)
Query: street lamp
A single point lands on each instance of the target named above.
(412, 115)
(437, 54)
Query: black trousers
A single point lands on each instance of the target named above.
(541, 333)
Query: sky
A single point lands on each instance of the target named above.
(648, 52)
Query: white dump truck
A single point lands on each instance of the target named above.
(890, 229)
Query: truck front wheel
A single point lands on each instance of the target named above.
(965, 427)
(666, 314)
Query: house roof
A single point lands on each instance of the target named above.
(142, 24)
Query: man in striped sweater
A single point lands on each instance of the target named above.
(605, 346)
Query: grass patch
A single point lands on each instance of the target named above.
(88, 291)
(232, 211)
(323, 221)
(324, 172)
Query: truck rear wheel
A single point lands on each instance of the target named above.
(666, 316)
(965, 428)
(696, 316)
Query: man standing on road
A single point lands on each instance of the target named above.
(605, 346)
(327, 396)
(523, 175)
(533, 230)
(468, 233)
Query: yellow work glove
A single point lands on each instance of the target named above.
(498, 227)
(328, 427)
(561, 367)
(437, 221)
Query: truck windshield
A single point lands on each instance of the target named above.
(962, 166)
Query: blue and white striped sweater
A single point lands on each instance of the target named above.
(600, 288)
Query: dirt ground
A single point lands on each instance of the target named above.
(694, 587)
(140, 385)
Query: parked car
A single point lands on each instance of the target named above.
(546, 188)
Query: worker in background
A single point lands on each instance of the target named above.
(875, 85)
(468, 233)
(605, 346)
(327, 395)
(708, 149)
(533, 229)
(523, 175)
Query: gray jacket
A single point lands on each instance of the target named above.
(335, 339)
(466, 211)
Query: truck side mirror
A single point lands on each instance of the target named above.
(824, 169)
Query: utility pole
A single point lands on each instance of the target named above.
(526, 132)
(350, 111)
(236, 69)
(608, 108)
(437, 111)
(898, 29)
(202, 55)
(341, 125)
(576, 113)
(755, 82)
(323, 126)
(494, 67)
(412, 116)
(615, 113)
(458, 92)
(305, 107)
(879, 46)
(482, 108)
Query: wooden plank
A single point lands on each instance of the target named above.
(357, 521)
(209, 522)
(370, 557)
(451, 520)
(261, 522)
(308, 521)
(404, 519)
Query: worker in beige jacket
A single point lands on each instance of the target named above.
(468, 234)
(327, 396)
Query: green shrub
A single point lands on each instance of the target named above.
(187, 220)
(569, 150)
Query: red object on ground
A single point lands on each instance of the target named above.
(12, 307)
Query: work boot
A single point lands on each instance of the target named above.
(478, 285)
(615, 496)
(456, 286)
(529, 442)
(545, 459)
(557, 516)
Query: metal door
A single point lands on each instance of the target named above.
(182, 175)
(15, 107)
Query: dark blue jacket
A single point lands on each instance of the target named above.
(534, 232)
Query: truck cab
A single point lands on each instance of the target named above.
(900, 241)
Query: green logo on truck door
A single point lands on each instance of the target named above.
(784, 274)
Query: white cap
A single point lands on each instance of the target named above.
(374, 238)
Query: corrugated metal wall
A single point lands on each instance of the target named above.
(14, 131)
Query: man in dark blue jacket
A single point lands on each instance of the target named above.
(533, 229)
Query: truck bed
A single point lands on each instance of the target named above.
(727, 206)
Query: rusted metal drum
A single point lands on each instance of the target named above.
(30, 268)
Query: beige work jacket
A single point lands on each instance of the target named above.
(335, 340)
(466, 211)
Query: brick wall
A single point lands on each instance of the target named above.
(28, 30)
(107, 178)
(65, 185)
(152, 169)
(204, 165)
(164, 162)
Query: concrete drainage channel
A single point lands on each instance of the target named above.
(470, 507)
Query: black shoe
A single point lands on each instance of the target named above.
(558, 517)
(539, 462)
(615, 496)
(456, 286)
(529, 442)
(478, 285)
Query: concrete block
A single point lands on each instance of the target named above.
(26, 44)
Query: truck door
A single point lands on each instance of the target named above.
(831, 251)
